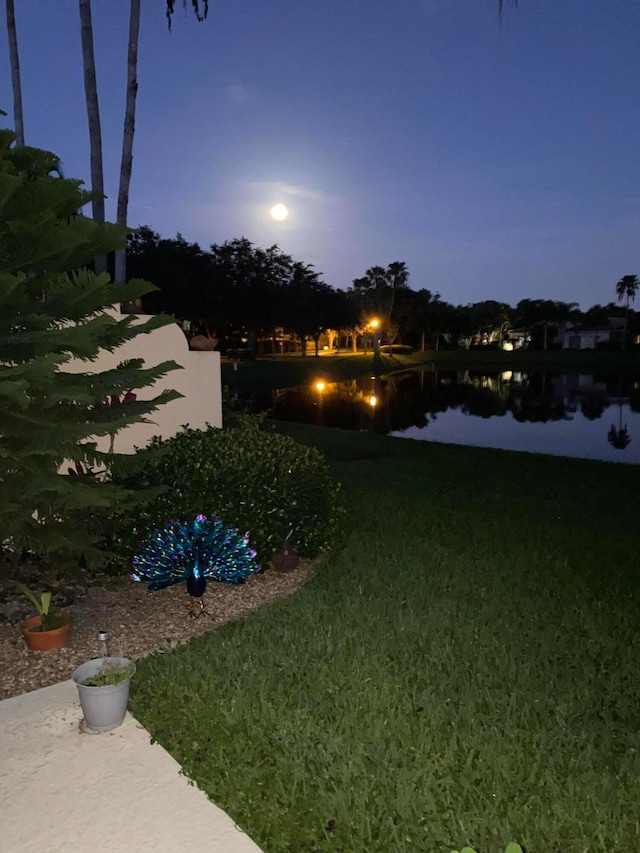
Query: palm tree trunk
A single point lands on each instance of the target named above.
(93, 116)
(15, 73)
(126, 163)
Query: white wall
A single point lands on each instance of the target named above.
(199, 383)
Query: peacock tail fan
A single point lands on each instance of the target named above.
(166, 557)
(225, 554)
(194, 551)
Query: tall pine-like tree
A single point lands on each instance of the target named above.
(52, 310)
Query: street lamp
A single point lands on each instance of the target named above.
(372, 327)
(375, 325)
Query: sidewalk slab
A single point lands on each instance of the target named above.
(64, 790)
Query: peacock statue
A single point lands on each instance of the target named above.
(194, 551)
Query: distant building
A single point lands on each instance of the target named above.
(576, 337)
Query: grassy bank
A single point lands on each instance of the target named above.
(463, 669)
(288, 371)
(291, 370)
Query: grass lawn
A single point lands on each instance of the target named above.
(463, 668)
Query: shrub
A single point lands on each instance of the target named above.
(264, 483)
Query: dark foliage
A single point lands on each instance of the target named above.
(265, 484)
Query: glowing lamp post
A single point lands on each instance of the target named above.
(374, 324)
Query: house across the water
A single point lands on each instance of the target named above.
(576, 337)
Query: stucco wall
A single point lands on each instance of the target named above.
(199, 383)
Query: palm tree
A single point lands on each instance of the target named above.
(15, 72)
(200, 16)
(627, 287)
(376, 291)
(126, 162)
(398, 276)
(93, 116)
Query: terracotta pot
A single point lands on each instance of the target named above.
(286, 559)
(44, 641)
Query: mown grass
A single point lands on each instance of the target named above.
(290, 370)
(463, 669)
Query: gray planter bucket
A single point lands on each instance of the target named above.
(104, 708)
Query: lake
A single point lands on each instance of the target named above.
(582, 415)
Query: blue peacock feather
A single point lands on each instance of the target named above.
(194, 551)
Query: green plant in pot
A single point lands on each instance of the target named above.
(50, 628)
(103, 688)
(111, 671)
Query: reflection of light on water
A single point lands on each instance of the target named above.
(527, 412)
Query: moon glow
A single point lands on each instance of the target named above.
(279, 212)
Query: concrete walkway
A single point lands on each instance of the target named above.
(62, 790)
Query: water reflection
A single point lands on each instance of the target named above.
(619, 438)
(545, 413)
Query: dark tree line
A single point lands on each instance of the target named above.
(262, 300)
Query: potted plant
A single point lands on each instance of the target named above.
(50, 628)
(103, 687)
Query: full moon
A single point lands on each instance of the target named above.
(279, 212)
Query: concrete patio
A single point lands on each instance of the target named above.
(64, 790)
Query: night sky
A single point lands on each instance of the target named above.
(498, 157)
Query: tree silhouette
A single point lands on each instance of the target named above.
(93, 118)
(539, 315)
(375, 294)
(200, 10)
(12, 37)
(627, 287)
(619, 437)
(398, 276)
